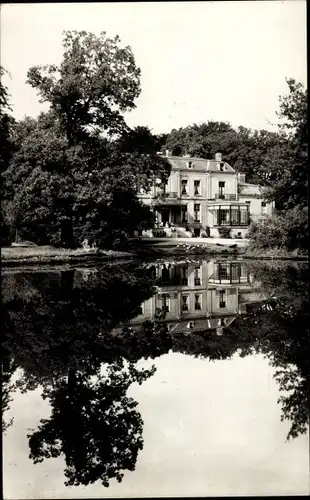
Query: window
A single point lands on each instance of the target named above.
(236, 271)
(248, 202)
(223, 272)
(264, 207)
(222, 296)
(197, 302)
(184, 302)
(184, 276)
(197, 188)
(197, 278)
(223, 217)
(196, 212)
(221, 189)
(243, 216)
(184, 213)
(190, 164)
(165, 303)
(184, 186)
(221, 166)
(235, 216)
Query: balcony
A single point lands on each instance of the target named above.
(167, 198)
(224, 196)
(171, 194)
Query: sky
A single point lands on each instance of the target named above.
(200, 61)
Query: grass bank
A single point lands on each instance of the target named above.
(35, 255)
(50, 255)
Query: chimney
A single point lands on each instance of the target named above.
(218, 156)
(168, 153)
(241, 177)
(219, 332)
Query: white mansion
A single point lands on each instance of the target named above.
(202, 196)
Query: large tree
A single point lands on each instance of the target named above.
(287, 182)
(287, 162)
(67, 181)
(6, 150)
(95, 83)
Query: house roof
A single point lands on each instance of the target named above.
(200, 164)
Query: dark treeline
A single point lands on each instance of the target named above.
(58, 329)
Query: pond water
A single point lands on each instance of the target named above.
(178, 378)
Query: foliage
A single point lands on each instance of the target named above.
(94, 424)
(60, 194)
(287, 184)
(6, 125)
(95, 83)
(287, 230)
(242, 148)
(66, 181)
(224, 232)
(288, 161)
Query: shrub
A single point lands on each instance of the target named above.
(287, 230)
(224, 232)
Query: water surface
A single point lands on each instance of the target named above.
(185, 378)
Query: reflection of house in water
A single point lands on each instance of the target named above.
(199, 296)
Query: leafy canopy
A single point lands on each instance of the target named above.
(95, 83)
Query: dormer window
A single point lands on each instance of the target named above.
(221, 166)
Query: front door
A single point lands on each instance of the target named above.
(165, 215)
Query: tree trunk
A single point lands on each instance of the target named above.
(67, 281)
(67, 234)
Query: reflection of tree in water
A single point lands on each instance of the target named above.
(7, 387)
(69, 322)
(94, 424)
(60, 331)
(277, 328)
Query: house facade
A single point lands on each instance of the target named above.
(201, 196)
